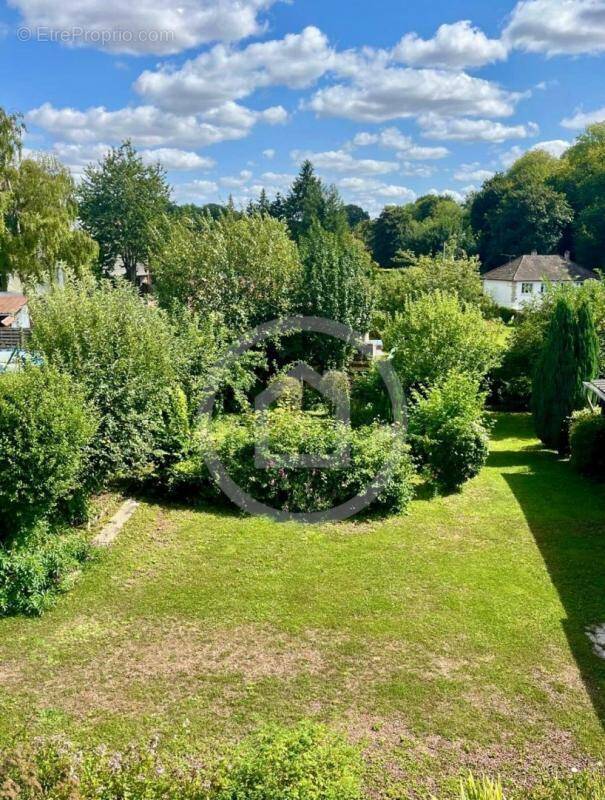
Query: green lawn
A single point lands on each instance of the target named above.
(447, 639)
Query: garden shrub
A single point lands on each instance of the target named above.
(45, 430)
(335, 388)
(37, 566)
(437, 334)
(124, 354)
(305, 763)
(289, 392)
(447, 432)
(289, 434)
(370, 400)
(308, 762)
(587, 437)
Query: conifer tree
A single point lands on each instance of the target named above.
(556, 385)
(587, 349)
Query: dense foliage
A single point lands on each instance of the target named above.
(38, 212)
(309, 201)
(37, 566)
(587, 443)
(308, 762)
(519, 211)
(402, 233)
(125, 356)
(122, 204)
(244, 268)
(437, 334)
(336, 285)
(447, 430)
(283, 435)
(45, 430)
(449, 272)
(567, 359)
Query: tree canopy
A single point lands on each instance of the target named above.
(123, 204)
(38, 212)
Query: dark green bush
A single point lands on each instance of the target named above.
(587, 438)
(446, 431)
(37, 567)
(45, 429)
(289, 434)
(370, 401)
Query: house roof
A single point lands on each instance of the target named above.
(598, 387)
(11, 302)
(537, 268)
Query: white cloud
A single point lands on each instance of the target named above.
(145, 26)
(343, 161)
(558, 27)
(281, 179)
(379, 94)
(198, 191)
(508, 158)
(458, 196)
(392, 138)
(583, 118)
(269, 154)
(454, 46)
(236, 181)
(416, 170)
(372, 194)
(473, 130)
(224, 74)
(147, 126)
(555, 147)
(472, 172)
(173, 158)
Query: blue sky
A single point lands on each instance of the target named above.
(389, 99)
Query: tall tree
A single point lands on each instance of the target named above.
(587, 349)
(310, 201)
(557, 387)
(582, 178)
(520, 211)
(336, 285)
(246, 268)
(39, 223)
(355, 215)
(391, 233)
(123, 205)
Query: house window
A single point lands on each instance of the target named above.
(542, 288)
(527, 288)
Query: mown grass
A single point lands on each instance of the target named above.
(450, 638)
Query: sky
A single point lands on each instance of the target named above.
(390, 99)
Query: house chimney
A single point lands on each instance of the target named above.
(534, 252)
(567, 255)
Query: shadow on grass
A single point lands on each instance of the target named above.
(566, 515)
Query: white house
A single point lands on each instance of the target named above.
(514, 284)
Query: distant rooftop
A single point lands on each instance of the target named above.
(11, 302)
(537, 268)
